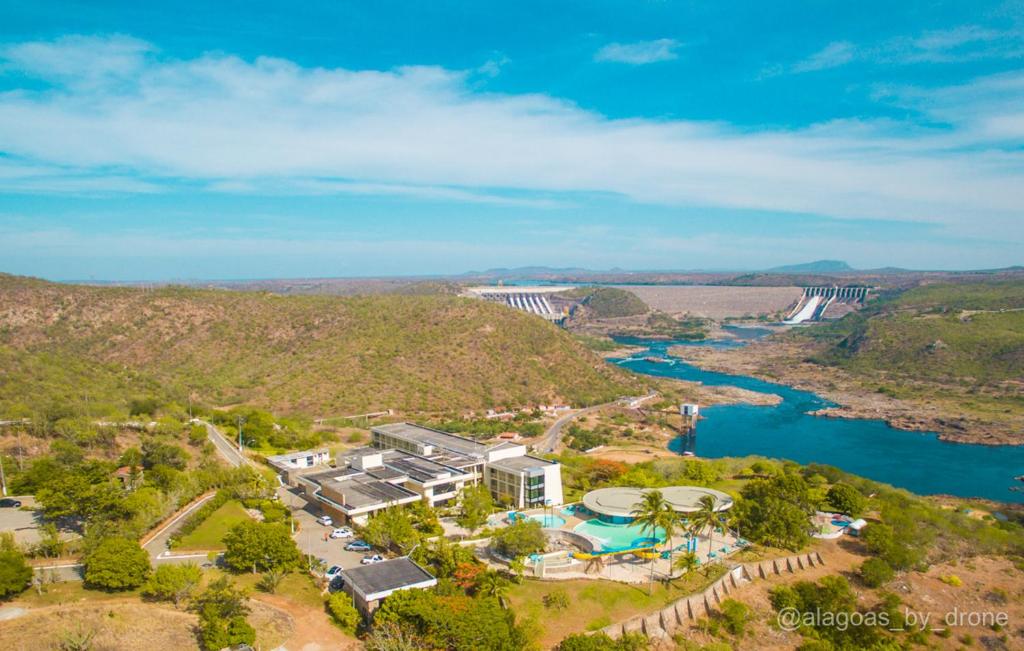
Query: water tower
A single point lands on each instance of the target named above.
(690, 412)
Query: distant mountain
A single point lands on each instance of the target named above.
(816, 267)
(527, 272)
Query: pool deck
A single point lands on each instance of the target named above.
(627, 568)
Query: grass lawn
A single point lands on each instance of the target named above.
(594, 604)
(69, 592)
(209, 534)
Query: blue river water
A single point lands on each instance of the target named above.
(919, 462)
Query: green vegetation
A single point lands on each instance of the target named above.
(846, 499)
(521, 538)
(818, 606)
(451, 621)
(174, 583)
(116, 564)
(875, 572)
(15, 574)
(583, 439)
(608, 302)
(601, 642)
(392, 528)
(210, 529)
(475, 505)
(260, 547)
(343, 612)
(222, 610)
(411, 353)
(663, 325)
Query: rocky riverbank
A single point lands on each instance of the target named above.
(934, 407)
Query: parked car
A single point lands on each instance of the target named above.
(332, 571)
(343, 532)
(9, 503)
(325, 520)
(358, 546)
(370, 560)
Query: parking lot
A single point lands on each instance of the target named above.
(310, 535)
(24, 524)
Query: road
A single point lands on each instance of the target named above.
(157, 545)
(553, 436)
(224, 447)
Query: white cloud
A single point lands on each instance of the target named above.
(270, 125)
(639, 53)
(962, 43)
(831, 56)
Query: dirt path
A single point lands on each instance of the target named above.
(313, 631)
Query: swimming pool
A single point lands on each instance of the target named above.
(549, 521)
(618, 536)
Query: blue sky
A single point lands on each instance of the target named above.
(242, 140)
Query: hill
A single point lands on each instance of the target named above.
(962, 333)
(64, 345)
(816, 267)
(607, 302)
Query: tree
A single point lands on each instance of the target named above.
(15, 574)
(875, 572)
(260, 546)
(344, 612)
(652, 513)
(116, 564)
(776, 511)
(492, 584)
(455, 622)
(686, 562)
(846, 499)
(222, 610)
(173, 582)
(475, 506)
(734, 616)
(521, 538)
(393, 637)
(270, 580)
(442, 556)
(705, 518)
(156, 453)
(391, 528)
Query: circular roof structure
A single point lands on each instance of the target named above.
(620, 501)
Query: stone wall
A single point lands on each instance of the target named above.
(689, 609)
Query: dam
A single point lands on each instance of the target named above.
(823, 302)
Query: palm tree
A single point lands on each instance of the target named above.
(686, 563)
(492, 584)
(653, 512)
(706, 518)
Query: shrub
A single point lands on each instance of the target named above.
(116, 564)
(343, 611)
(876, 572)
(259, 546)
(734, 616)
(951, 580)
(556, 600)
(15, 574)
(846, 499)
(173, 582)
(522, 538)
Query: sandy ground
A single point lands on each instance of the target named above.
(127, 625)
(716, 302)
(311, 628)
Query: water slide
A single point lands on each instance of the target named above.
(806, 312)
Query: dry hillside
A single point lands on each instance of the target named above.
(313, 354)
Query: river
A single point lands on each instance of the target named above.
(919, 462)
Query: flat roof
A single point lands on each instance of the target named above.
(387, 576)
(435, 437)
(521, 463)
(362, 491)
(620, 501)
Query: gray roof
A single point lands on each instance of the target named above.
(389, 575)
(437, 438)
(361, 491)
(519, 464)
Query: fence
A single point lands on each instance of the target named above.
(689, 609)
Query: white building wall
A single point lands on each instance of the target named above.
(553, 484)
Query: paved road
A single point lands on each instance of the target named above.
(157, 545)
(554, 433)
(224, 447)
